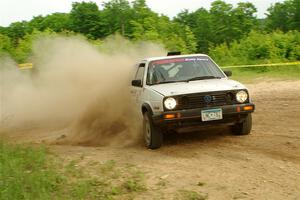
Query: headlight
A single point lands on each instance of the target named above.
(241, 96)
(170, 103)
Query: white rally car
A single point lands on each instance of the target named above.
(179, 91)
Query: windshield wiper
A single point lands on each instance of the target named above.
(202, 78)
(191, 79)
(163, 82)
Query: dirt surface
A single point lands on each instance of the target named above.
(263, 165)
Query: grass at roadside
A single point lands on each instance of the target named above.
(190, 195)
(33, 173)
(249, 75)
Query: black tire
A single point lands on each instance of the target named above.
(153, 136)
(243, 128)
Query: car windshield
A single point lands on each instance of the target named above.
(182, 69)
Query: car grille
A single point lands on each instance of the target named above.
(210, 99)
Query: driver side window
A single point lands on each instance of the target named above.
(140, 72)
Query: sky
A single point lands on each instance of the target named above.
(18, 10)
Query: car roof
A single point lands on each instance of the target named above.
(170, 57)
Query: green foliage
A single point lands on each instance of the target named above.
(284, 16)
(250, 75)
(223, 29)
(222, 23)
(25, 174)
(200, 24)
(32, 173)
(174, 36)
(16, 31)
(190, 195)
(56, 22)
(118, 14)
(5, 45)
(134, 183)
(136, 21)
(23, 52)
(86, 18)
(259, 48)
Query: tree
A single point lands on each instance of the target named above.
(201, 26)
(36, 23)
(284, 16)
(86, 18)
(57, 22)
(222, 23)
(259, 47)
(243, 19)
(149, 26)
(23, 52)
(220, 28)
(144, 23)
(5, 45)
(16, 31)
(118, 15)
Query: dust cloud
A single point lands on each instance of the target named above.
(78, 88)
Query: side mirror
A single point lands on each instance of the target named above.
(228, 73)
(136, 83)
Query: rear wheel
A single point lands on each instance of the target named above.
(153, 136)
(243, 128)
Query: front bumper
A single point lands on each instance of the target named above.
(192, 117)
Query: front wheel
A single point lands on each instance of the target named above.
(152, 135)
(243, 128)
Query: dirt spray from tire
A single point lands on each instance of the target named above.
(76, 91)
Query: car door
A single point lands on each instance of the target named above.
(137, 91)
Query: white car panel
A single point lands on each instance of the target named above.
(209, 85)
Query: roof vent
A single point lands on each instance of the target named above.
(174, 53)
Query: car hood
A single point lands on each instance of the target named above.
(170, 89)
